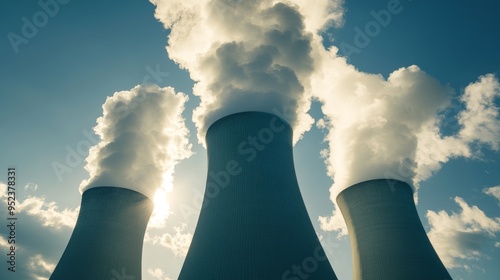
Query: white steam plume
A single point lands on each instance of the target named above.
(390, 128)
(247, 55)
(373, 122)
(267, 55)
(143, 136)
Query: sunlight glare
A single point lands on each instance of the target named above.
(162, 206)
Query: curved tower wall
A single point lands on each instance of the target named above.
(388, 240)
(253, 223)
(108, 236)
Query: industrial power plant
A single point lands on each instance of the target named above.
(253, 222)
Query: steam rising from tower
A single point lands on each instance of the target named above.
(392, 128)
(143, 136)
(253, 223)
(247, 55)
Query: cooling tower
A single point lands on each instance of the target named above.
(253, 223)
(107, 240)
(388, 240)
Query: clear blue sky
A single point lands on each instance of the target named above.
(52, 89)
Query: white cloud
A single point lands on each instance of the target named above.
(35, 261)
(480, 119)
(335, 222)
(434, 150)
(479, 127)
(31, 187)
(178, 243)
(158, 273)
(494, 192)
(143, 136)
(3, 242)
(3, 191)
(48, 213)
(463, 236)
(40, 268)
(29, 265)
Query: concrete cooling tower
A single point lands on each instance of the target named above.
(107, 240)
(388, 240)
(253, 223)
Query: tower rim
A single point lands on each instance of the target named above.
(244, 113)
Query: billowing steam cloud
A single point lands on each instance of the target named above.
(268, 55)
(390, 128)
(143, 136)
(246, 55)
(373, 122)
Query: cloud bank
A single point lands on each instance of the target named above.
(143, 136)
(48, 222)
(462, 236)
(158, 273)
(494, 192)
(479, 128)
(42, 269)
(48, 213)
(178, 243)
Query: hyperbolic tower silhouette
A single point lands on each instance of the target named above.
(108, 236)
(253, 223)
(388, 240)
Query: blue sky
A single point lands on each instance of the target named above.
(52, 89)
